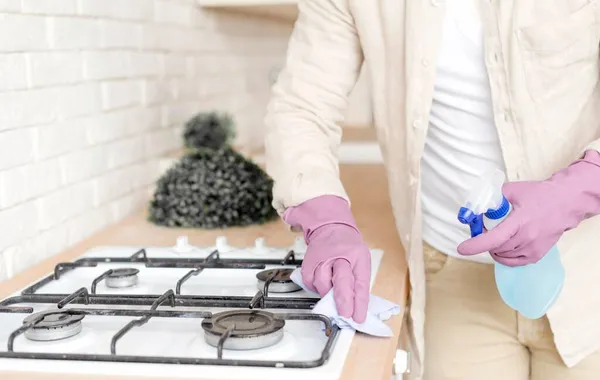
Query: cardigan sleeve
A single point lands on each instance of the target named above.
(308, 103)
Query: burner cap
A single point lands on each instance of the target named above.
(254, 329)
(123, 272)
(57, 324)
(122, 278)
(282, 283)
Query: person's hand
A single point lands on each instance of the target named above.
(336, 255)
(529, 231)
(542, 212)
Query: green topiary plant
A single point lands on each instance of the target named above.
(210, 130)
(213, 189)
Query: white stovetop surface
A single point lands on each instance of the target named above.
(181, 337)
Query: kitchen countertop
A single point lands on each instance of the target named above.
(369, 357)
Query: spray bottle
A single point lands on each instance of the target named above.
(529, 289)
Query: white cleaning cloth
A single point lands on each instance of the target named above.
(379, 310)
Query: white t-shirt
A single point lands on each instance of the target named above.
(462, 142)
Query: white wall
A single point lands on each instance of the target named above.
(93, 92)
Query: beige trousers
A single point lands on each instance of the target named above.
(470, 334)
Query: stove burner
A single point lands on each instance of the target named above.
(281, 283)
(122, 278)
(56, 325)
(251, 329)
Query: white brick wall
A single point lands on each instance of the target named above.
(47, 69)
(94, 92)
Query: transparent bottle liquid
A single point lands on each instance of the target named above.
(529, 289)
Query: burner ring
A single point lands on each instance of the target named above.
(283, 275)
(123, 272)
(56, 325)
(55, 318)
(248, 323)
(281, 283)
(122, 278)
(254, 329)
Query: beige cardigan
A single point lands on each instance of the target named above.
(544, 67)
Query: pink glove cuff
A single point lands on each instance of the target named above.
(579, 187)
(318, 212)
(589, 161)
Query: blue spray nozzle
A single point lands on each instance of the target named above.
(475, 221)
(484, 198)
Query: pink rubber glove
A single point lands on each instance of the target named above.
(542, 212)
(336, 256)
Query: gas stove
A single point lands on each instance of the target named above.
(218, 312)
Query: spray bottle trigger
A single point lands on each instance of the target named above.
(475, 221)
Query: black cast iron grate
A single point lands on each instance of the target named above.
(197, 265)
(83, 296)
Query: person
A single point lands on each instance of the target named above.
(458, 87)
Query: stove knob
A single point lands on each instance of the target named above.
(299, 245)
(401, 364)
(182, 245)
(7, 261)
(222, 244)
(259, 246)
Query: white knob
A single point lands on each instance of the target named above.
(7, 261)
(299, 245)
(222, 244)
(182, 244)
(259, 246)
(401, 364)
